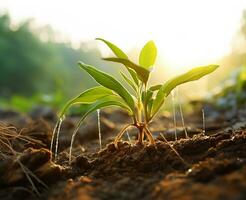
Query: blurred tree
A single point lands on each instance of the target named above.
(33, 62)
(23, 59)
(37, 67)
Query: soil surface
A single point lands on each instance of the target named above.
(209, 164)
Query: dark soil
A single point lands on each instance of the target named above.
(212, 164)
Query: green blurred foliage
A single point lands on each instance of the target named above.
(237, 56)
(35, 68)
(23, 59)
(232, 89)
(232, 92)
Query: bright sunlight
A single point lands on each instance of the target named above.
(170, 23)
(122, 99)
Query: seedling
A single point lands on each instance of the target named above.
(142, 104)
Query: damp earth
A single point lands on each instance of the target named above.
(207, 162)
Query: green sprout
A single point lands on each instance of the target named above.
(142, 104)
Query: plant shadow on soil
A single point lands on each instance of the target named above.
(215, 162)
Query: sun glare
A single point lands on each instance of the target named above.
(187, 33)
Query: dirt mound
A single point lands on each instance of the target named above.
(217, 165)
(213, 164)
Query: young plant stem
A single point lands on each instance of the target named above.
(139, 104)
(140, 135)
(145, 105)
(139, 115)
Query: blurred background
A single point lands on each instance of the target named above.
(42, 41)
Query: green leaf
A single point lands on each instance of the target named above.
(134, 76)
(192, 75)
(148, 55)
(146, 96)
(155, 87)
(87, 97)
(149, 108)
(129, 81)
(166, 88)
(142, 73)
(120, 54)
(109, 82)
(106, 101)
(100, 103)
(103, 102)
(117, 51)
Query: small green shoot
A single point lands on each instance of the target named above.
(144, 103)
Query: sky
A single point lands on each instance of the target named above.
(187, 33)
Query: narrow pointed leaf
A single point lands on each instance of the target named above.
(146, 96)
(117, 51)
(106, 101)
(192, 75)
(149, 108)
(109, 82)
(149, 94)
(166, 88)
(120, 54)
(142, 73)
(155, 87)
(147, 99)
(129, 81)
(134, 76)
(148, 55)
(87, 97)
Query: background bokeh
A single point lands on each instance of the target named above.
(41, 43)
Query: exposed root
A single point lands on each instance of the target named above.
(143, 130)
(150, 136)
(118, 137)
(29, 175)
(8, 150)
(7, 135)
(140, 135)
(174, 150)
